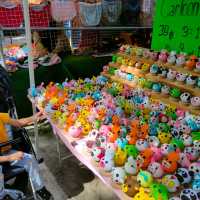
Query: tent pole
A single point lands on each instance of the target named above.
(30, 61)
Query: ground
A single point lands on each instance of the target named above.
(69, 179)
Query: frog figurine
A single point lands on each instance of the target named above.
(175, 93)
(172, 57)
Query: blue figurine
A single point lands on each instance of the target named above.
(156, 87)
(154, 69)
(122, 142)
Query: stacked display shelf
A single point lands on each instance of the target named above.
(155, 78)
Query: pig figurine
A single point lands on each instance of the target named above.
(75, 131)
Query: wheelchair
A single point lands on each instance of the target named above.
(20, 140)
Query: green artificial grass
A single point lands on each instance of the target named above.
(72, 67)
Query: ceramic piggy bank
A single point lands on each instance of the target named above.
(130, 187)
(181, 77)
(198, 66)
(195, 101)
(131, 166)
(144, 178)
(141, 144)
(154, 69)
(163, 56)
(97, 153)
(183, 175)
(189, 194)
(165, 90)
(185, 97)
(118, 175)
(191, 63)
(180, 61)
(171, 182)
(191, 80)
(171, 75)
(120, 157)
(75, 131)
(172, 57)
(156, 169)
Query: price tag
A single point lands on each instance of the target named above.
(177, 26)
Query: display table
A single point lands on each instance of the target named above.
(80, 151)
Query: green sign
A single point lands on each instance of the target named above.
(177, 26)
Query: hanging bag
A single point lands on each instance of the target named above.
(63, 10)
(11, 14)
(40, 15)
(90, 13)
(111, 11)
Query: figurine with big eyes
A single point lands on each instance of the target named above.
(131, 166)
(191, 63)
(156, 169)
(118, 175)
(143, 195)
(120, 157)
(189, 194)
(131, 150)
(181, 77)
(185, 97)
(141, 144)
(181, 59)
(159, 191)
(171, 75)
(183, 176)
(153, 141)
(154, 55)
(144, 158)
(198, 66)
(163, 56)
(164, 137)
(170, 162)
(171, 182)
(195, 102)
(130, 186)
(156, 87)
(172, 57)
(163, 72)
(154, 69)
(191, 80)
(144, 178)
(175, 93)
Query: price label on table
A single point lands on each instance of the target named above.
(177, 26)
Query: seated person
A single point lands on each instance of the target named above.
(20, 159)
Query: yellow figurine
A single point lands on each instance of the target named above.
(120, 157)
(143, 195)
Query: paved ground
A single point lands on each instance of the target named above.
(68, 180)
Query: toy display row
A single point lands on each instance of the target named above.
(180, 60)
(126, 132)
(175, 93)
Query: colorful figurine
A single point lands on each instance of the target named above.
(130, 186)
(191, 63)
(189, 194)
(159, 191)
(141, 145)
(171, 182)
(172, 57)
(144, 158)
(131, 150)
(120, 157)
(164, 137)
(183, 175)
(118, 175)
(156, 169)
(170, 162)
(131, 166)
(185, 97)
(144, 178)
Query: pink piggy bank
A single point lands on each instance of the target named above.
(163, 56)
(75, 131)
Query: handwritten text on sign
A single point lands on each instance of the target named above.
(177, 26)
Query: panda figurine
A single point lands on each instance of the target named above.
(189, 194)
(194, 169)
(183, 175)
(185, 97)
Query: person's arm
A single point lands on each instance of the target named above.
(19, 122)
(12, 157)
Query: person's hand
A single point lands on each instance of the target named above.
(16, 156)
